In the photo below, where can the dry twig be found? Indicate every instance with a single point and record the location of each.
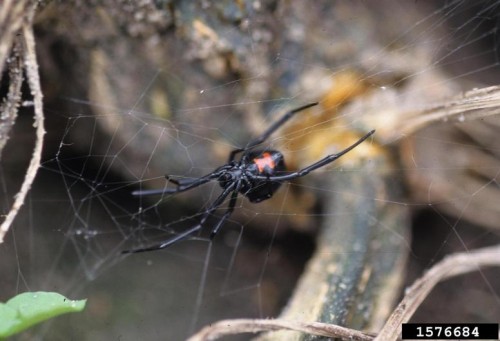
(31, 67)
(11, 21)
(450, 266)
(229, 327)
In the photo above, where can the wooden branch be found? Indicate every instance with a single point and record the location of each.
(451, 266)
(33, 78)
(231, 327)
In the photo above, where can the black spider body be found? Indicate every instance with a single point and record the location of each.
(257, 175)
(263, 163)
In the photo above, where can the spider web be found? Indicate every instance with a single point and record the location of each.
(81, 215)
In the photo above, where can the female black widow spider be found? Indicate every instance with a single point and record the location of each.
(257, 175)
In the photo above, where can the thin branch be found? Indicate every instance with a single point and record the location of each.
(450, 266)
(12, 15)
(10, 105)
(472, 105)
(31, 67)
(238, 326)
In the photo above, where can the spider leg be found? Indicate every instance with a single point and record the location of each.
(180, 181)
(328, 159)
(264, 136)
(220, 199)
(181, 185)
(227, 214)
(166, 243)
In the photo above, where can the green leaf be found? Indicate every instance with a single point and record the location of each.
(30, 308)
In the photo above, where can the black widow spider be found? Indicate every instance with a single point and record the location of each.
(257, 175)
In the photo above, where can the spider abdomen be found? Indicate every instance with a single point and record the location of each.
(262, 163)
